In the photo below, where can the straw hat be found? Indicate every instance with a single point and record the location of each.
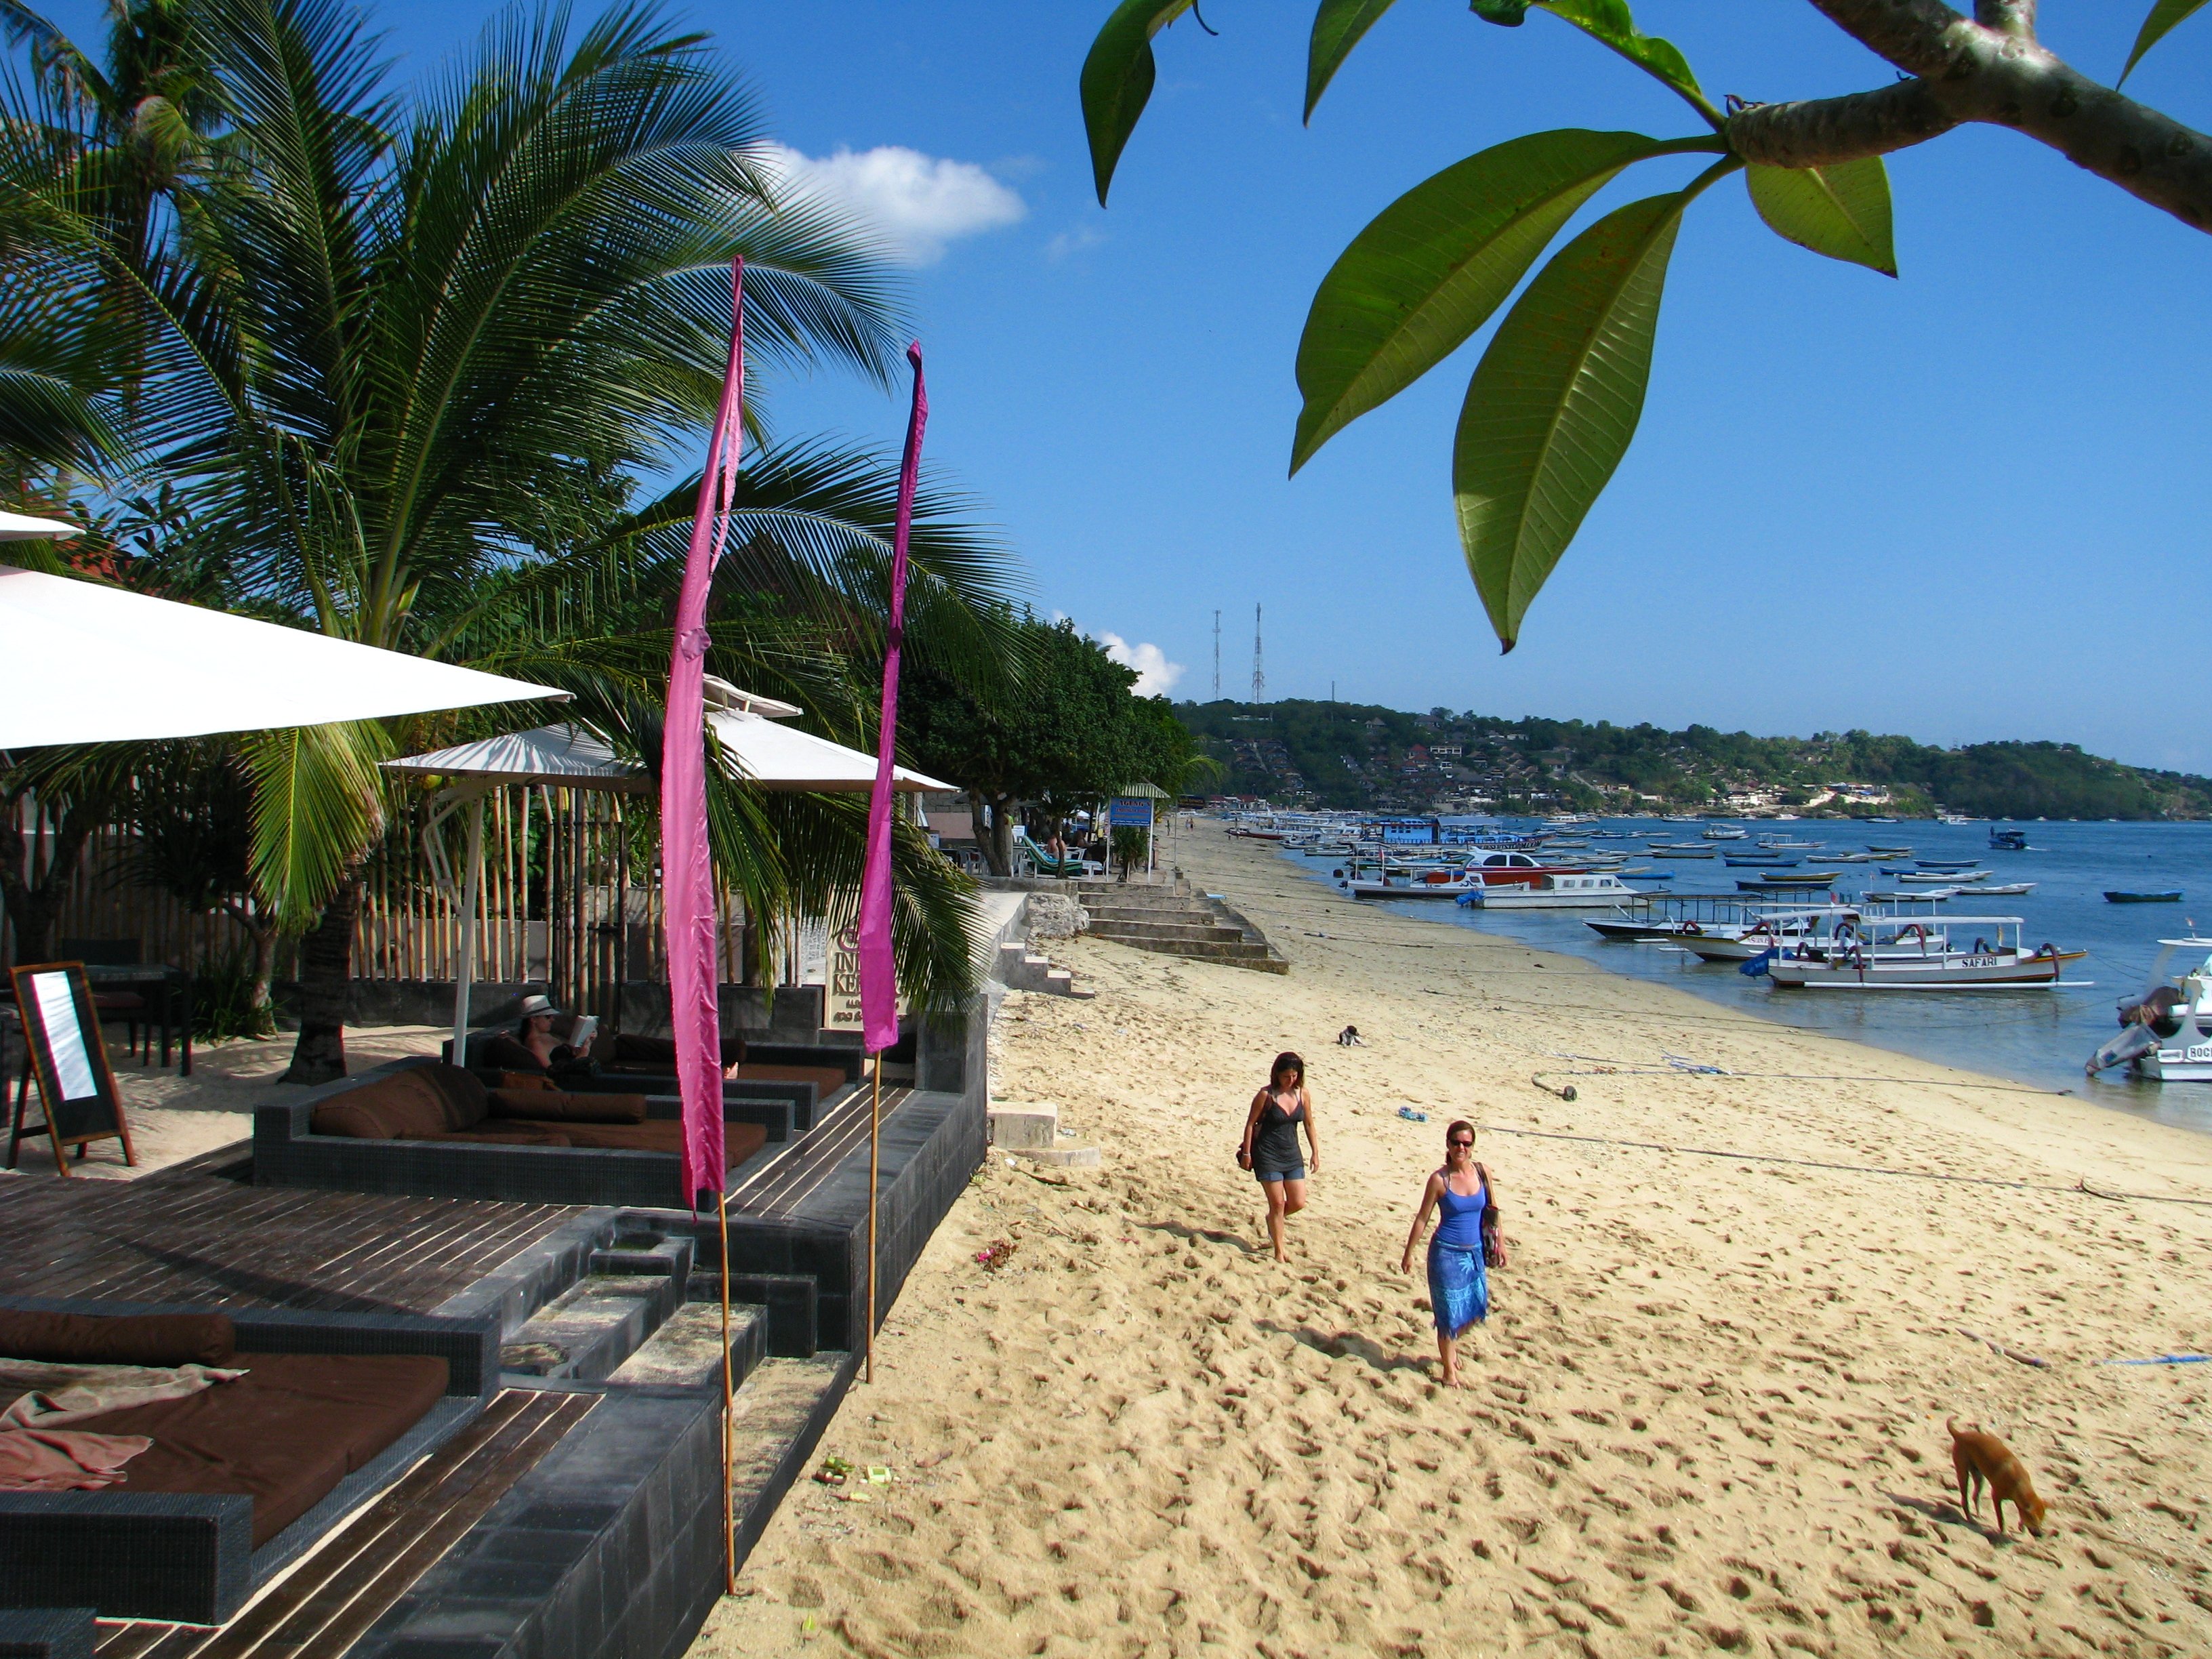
(534, 1005)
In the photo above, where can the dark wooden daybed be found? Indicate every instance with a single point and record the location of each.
(426, 1128)
(241, 1477)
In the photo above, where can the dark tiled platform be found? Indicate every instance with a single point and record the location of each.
(196, 1233)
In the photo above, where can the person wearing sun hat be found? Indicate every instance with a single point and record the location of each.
(533, 1047)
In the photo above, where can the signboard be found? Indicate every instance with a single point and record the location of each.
(1407, 832)
(841, 1002)
(77, 1088)
(1129, 811)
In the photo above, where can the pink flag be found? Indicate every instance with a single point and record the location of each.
(687, 866)
(879, 976)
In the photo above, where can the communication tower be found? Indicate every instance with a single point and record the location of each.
(1259, 673)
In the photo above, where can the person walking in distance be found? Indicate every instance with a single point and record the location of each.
(1270, 1149)
(1465, 1243)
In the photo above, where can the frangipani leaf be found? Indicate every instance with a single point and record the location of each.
(2165, 17)
(1555, 400)
(1117, 80)
(1841, 211)
(1337, 27)
(1433, 266)
(1610, 22)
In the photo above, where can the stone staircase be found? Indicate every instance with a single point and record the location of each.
(1179, 922)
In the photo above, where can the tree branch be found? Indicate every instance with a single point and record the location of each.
(1990, 70)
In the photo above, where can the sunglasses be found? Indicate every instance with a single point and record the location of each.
(1459, 1143)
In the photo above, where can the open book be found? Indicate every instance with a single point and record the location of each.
(581, 1030)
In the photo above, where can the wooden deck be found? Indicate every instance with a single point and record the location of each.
(777, 1181)
(198, 1233)
(331, 1597)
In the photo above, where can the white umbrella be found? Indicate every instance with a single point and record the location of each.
(761, 751)
(15, 527)
(83, 663)
(770, 755)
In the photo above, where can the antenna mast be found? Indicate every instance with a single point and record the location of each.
(1217, 656)
(1258, 674)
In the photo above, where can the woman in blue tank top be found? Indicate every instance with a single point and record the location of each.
(1459, 1287)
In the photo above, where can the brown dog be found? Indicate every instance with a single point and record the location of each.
(1980, 1458)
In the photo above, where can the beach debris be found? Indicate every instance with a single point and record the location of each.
(1997, 1348)
(995, 1255)
(878, 1475)
(1563, 1091)
(2164, 1359)
(834, 1472)
(1698, 1066)
(1349, 1037)
(1413, 1116)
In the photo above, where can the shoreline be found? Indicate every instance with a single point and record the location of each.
(1707, 1410)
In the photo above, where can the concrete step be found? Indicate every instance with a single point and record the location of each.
(1239, 954)
(1058, 1158)
(588, 1331)
(1196, 932)
(1021, 968)
(687, 1350)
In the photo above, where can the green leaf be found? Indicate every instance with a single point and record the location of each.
(1508, 14)
(1610, 22)
(1337, 27)
(317, 805)
(1436, 263)
(2163, 18)
(1117, 80)
(1555, 400)
(1842, 211)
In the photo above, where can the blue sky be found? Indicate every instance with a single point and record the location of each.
(1968, 504)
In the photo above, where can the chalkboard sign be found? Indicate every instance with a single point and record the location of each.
(69, 1058)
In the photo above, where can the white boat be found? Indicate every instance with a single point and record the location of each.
(1725, 832)
(1901, 953)
(1597, 890)
(1681, 852)
(1437, 883)
(2166, 1034)
(1942, 878)
(2004, 889)
(1741, 941)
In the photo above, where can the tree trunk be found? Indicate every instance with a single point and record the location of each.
(996, 840)
(34, 905)
(326, 971)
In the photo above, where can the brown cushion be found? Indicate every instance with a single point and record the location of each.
(826, 1079)
(524, 1080)
(283, 1434)
(118, 1339)
(461, 1091)
(637, 1052)
(353, 1115)
(512, 1134)
(555, 1106)
(739, 1141)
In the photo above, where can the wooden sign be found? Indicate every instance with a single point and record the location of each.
(69, 1058)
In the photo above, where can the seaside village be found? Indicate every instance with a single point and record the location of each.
(621, 1043)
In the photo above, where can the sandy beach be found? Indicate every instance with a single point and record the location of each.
(1706, 1412)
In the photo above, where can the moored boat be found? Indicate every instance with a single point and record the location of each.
(2172, 897)
(1918, 954)
(1588, 890)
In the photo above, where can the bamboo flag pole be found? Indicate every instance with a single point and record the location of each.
(729, 1406)
(875, 1123)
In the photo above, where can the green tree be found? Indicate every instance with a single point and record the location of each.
(410, 357)
(1555, 400)
(1067, 734)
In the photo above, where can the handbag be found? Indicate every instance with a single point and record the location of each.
(1494, 1247)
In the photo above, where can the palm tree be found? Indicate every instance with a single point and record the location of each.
(412, 358)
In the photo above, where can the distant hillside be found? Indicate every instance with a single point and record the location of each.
(1351, 755)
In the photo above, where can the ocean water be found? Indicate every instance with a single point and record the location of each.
(2038, 1036)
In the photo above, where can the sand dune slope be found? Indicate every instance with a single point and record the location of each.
(1707, 1410)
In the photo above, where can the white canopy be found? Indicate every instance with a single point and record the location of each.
(765, 753)
(15, 527)
(773, 756)
(566, 754)
(82, 663)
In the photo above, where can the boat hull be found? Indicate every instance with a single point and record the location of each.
(1936, 974)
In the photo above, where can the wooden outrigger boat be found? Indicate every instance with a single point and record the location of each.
(1883, 953)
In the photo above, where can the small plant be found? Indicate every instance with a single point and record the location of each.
(1132, 843)
(223, 1000)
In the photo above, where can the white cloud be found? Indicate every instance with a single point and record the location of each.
(1156, 675)
(1081, 240)
(915, 204)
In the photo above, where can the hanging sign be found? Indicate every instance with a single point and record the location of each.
(841, 1003)
(1129, 811)
(69, 1058)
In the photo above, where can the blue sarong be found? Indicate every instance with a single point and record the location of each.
(1459, 1289)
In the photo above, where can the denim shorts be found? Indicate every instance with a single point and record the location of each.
(1295, 1172)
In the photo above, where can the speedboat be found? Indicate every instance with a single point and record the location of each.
(1594, 889)
(2166, 1033)
(1881, 953)
(2009, 841)
(1434, 884)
